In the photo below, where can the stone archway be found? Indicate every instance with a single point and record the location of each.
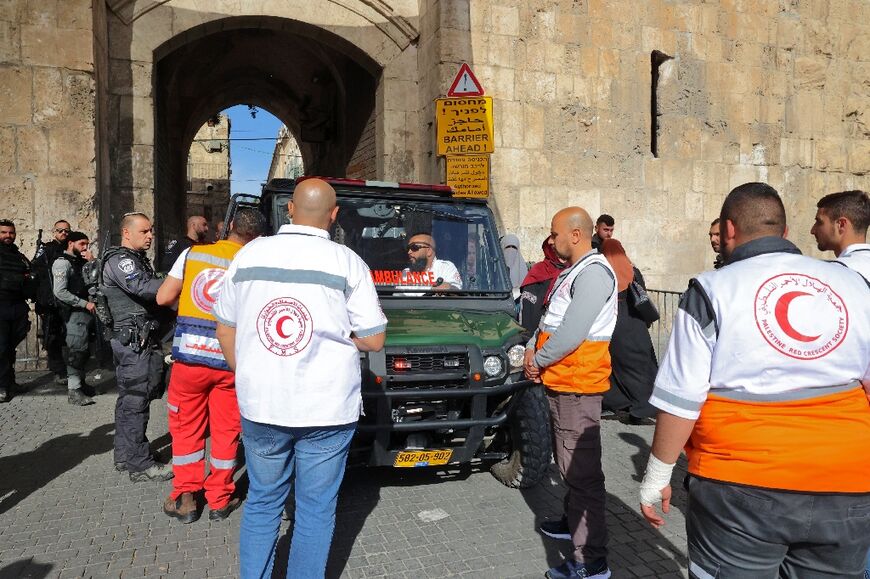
(331, 70)
(322, 88)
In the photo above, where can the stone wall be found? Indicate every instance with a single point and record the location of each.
(768, 90)
(47, 141)
(208, 171)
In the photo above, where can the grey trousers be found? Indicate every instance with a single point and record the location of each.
(78, 330)
(577, 450)
(749, 533)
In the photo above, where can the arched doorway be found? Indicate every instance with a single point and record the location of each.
(319, 85)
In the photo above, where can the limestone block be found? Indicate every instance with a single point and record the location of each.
(71, 149)
(509, 123)
(501, 50)
(810, 72)
(132, 167)
(512, 165)
(535, 86)
(39, 13)
(859, 48)
(652, 173)
(539, 23)
(61, 47)
(564, 87)
(10, 42)
(64, 197)
(15, 95)
(505, 20)
(497, 81)
(76, 14)
(455, 15)
(588, 62)
(677, 175)
(533, 129)
(804, 114)
(17, 194)
(570, 28)
(532, 211)
(789, 32)
(602, 36)
(32, 150)
(7, 151)
(48, 95)
(859, 158)
(741, 174)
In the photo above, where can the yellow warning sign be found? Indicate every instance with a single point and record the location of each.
(468, 175)
(464, 125)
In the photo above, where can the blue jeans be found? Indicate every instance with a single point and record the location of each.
(318, 456)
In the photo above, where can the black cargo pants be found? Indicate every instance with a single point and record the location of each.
(53, 336)
(139, 376)
(14, 325)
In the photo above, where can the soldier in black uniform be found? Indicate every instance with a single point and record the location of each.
(16, 286)
(76, 309)
(51, 321)
(197, 233)
(130, 286)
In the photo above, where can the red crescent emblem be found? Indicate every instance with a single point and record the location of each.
(781, 313)
(206, 290)
(279, 328)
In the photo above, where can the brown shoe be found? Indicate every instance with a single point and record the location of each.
(183, 508)
(221, 514)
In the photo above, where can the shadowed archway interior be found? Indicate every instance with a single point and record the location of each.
(320, 86)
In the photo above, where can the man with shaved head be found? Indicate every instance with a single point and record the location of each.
(130, 287)
(569, 354)
(421, 255)
(197, 233)
(762, 385)
(294, 312)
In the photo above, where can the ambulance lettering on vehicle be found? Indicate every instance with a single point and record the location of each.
(395, 277)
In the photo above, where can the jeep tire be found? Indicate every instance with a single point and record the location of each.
(530, 447)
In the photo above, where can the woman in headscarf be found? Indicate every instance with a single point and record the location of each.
(510, 245)
(536, 286)
(631, 351)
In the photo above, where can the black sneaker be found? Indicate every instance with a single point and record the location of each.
(556, 529)
(572, 569)
(87, 389)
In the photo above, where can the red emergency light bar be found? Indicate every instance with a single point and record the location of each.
(386, 184)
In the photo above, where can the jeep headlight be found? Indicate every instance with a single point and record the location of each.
(492, 366)
(516, 355)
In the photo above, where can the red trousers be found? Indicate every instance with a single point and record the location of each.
(202, 400)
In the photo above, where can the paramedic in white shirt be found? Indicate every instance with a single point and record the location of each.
(421, 255)
(841, 227)
(294, 312)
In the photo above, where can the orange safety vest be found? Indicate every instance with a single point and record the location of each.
(786, 444)
(195, 341)
(586, 370)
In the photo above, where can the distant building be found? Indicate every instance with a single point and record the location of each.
(287, 157)
(208, 170)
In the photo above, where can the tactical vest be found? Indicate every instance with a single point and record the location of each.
(15, 280)
(75, 283)
(42, 262)
(123, 306)
(587, 369)
(195, 341)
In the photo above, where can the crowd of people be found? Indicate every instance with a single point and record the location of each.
(765, 382)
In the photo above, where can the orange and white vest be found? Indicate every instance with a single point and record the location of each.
(195, 341)
(768, 354)
(587, 369)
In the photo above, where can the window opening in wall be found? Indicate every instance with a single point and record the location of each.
(657, 58)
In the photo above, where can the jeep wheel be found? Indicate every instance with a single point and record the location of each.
(529, 443)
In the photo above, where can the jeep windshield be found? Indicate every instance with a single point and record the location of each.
(421, 248)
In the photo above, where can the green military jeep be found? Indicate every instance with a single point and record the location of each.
(448, 387)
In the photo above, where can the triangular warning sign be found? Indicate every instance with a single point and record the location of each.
(465, 83)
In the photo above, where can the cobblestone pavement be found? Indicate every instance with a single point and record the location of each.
(65, 511)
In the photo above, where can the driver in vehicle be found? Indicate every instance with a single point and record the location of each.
(421, 257)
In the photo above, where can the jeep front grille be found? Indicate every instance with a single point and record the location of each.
(404, 364)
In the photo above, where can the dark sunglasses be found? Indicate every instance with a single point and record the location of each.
(57, 230)
(417, 246)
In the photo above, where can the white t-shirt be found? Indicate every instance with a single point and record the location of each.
(857, 257)
(177, 270)
(294, 299)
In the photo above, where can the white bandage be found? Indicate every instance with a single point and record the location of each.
(657, 476)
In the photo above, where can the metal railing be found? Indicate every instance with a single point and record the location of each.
(29, 355)
(666, 302)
